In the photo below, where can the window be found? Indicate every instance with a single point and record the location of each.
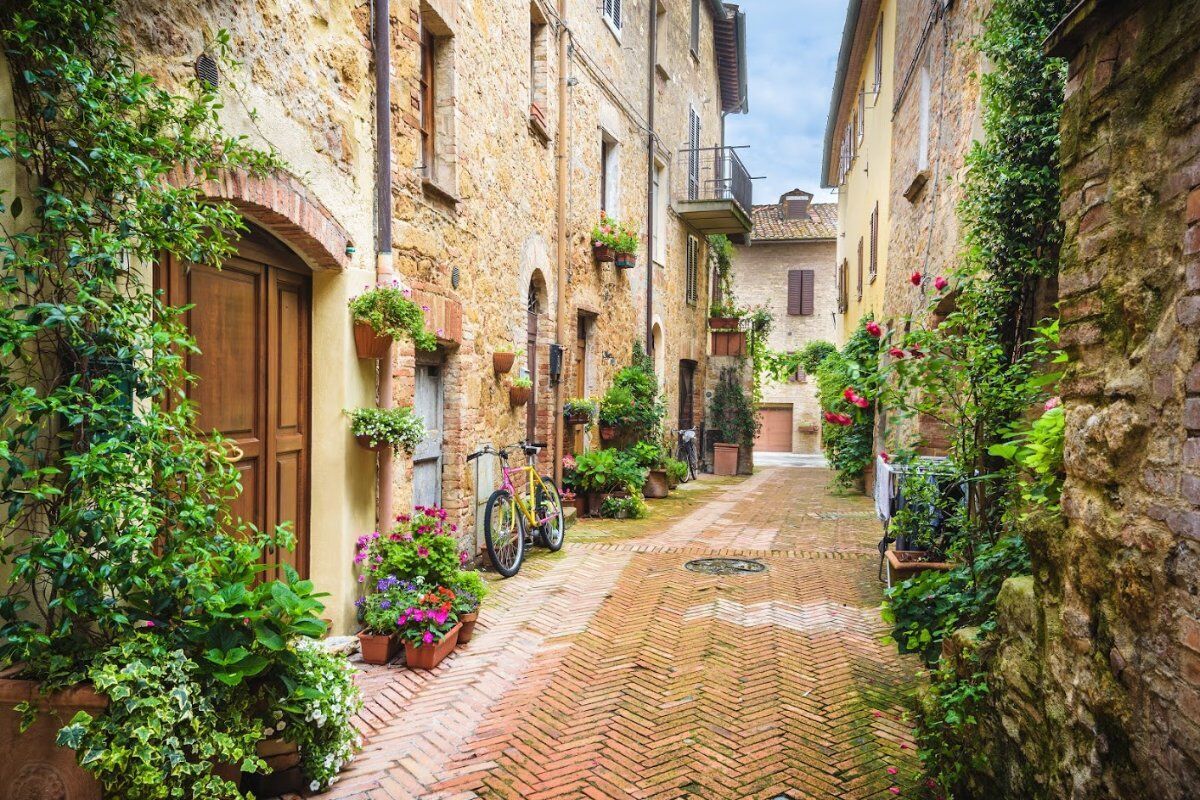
(436, 121)
(879, 57)
(610, 175)
(538, 62)
(660, 39)
(862, 116)
(843, 286)
(692, 280)
(923, 122)
(428, 103)
(800, 292)
(860, 268)
(693, 154)
(612, 13)
(695, 41)
(873, 268)
(660, 212)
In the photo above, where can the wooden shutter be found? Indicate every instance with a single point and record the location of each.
(860, 267)
(691, 288)
(800, 292)
(693, 154)
(695, 32)
(874, 266)
(879, 56)
(843, 286)
(616, 12)
(806, 292)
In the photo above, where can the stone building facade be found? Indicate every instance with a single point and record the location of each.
(1098, 677)
(790, 269)
(475, 139)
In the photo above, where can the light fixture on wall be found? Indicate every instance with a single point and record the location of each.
(556, 362)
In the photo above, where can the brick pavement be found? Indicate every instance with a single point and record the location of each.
(609, 671)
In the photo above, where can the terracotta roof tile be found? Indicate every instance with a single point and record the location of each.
(769, 223)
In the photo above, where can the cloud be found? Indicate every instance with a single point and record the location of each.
(792, 48)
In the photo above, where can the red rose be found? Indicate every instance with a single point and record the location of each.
(896, 352)
(940, 283)
(874, 329)
(915, 278)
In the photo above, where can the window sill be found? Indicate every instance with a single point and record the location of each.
(537, 123)
(662, 72)
(917, 186)
(437, 192)
(660, 263)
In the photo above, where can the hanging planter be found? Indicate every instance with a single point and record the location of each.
(381, 429)
(579, 411)
(520, 392)
(723, 323)
(729, 343)
(503, 360)
(384, 314)
(609, 432)
(614, 241)
(368, 343)
(603, 253)
(626, 260)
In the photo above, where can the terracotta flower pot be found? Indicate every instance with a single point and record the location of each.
(365, 442)
(904, 564)
(656, 486)
(428, 656)
(33, 765)
(502, 363)
(468, 626)
(581, 504)
(283, 764)
(581, 418)
(596, 499)
(368, 343)
(725, 459)
(626, 260)
(723, 323)
(603, 253)
(378, 648)
(729, 343)
(608, 432)
(519, 395)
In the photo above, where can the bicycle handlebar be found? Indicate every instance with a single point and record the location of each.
(503, 451)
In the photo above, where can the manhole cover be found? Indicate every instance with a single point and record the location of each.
(724, 566)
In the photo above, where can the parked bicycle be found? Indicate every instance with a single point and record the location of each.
(686, 452)
(513, 516)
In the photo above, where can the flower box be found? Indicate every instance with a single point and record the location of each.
(468, 626)
(578, 418)
(378, 648)
(428, 656)
(365, 442)
(603, 253)
(33, 764)
(502, 362)
(724, 323)
(725, 459)
(656, 486)
(626, 260)
(519, 395)
(284, 774)
(729, 343)
(904, 564)
(368, 343)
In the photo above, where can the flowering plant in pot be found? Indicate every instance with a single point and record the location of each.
(601, 473)
(520, 391)
(504, 357)
(725, 316)
(384, 314)
(614, 241)
(429, 629)
(379, 640)
(469, 591)
(382, 428)
(580, 411)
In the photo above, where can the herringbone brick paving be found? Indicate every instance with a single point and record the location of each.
(609, 671)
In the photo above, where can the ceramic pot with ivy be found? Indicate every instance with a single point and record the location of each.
(381, 429)
(519, 392)
(384, 314)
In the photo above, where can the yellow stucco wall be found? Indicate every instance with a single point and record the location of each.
(869, 178)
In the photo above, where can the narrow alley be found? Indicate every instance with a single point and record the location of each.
(611, 670)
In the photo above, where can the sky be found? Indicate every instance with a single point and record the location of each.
(792, 48)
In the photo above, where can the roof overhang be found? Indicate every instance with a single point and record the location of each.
(860, 19)
(1080, 24)
(729, 35)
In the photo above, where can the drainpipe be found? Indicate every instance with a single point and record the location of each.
(383, 213)
(650, 150)
(560, 313)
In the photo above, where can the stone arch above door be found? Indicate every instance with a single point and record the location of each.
(284, 207)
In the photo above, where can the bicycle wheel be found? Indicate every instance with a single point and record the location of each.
(554, 531)
(504, 533)
(687, 454)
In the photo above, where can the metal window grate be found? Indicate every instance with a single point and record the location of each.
(207, 71)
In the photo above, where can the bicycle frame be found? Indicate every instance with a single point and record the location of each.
(534, 482)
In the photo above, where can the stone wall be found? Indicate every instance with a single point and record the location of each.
(1098, 676)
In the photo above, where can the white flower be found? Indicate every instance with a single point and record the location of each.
(268, 731)
(315, 786)
(281, 725)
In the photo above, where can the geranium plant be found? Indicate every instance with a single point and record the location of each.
(429, 619)
(579, 407)
(399, 428)
(609, 232)
(391, 311)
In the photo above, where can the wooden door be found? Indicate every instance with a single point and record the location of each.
(687, 395)
(775, 434)
(581, 347)
(531, 350)
(251, 324)
(427, 457)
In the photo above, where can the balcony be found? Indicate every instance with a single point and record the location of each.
(716, 195)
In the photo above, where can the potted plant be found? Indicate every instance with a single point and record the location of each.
(579, 411)
(520, 391)
(676, 472)
(615, 241)
(725, 316)
(504, 358)
(602, 473)
(732, 416)
(927, 504)
(383, 428)
(652, 457)
(616, 408)
(631, 507)
(384, 314)
(429, 629)
(469, 590)
(379, 640)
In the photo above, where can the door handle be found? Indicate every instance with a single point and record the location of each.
(233, 453)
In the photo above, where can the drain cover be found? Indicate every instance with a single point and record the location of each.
(724, 566)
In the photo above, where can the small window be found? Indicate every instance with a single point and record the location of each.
(923, 121)
(609, 176)
(612, 12)
(692, 280)
(874, 261)
(860, 268)
(695, 39)
(879, 57)
(538, 62)
(660, 212)
(800, 292)
(428, 102)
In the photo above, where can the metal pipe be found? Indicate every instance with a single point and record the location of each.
(651, 148)
(561, 153)
(383, 218)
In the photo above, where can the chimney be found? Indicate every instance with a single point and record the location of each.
(794, 204)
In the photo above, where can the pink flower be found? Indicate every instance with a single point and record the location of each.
(896, 352)
(874, 329)
(463, 558)
(903, 746)
(427, 638)
(423, 551)
(1053, 402)
(887, 460)
(940, 283)
(403, 618)
(419, 616)
(915, 278)
(892, 770)
(878, 714)
(894, 789)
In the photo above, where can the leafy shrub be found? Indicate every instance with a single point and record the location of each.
(847, 434)
(648, 455)
(632, 507)
(633, 401)
(731, 413)
(608, 471)
(391, 311)
(400, 427)
(677, 470)
(813, 353)
(1036, 449)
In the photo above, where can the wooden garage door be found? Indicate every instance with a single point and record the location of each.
(775, 435)
(251, 324)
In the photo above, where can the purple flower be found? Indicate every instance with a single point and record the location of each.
(385, 604)
(427, 638)
(463, 558)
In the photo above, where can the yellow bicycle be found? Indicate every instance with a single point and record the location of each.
(514, 515)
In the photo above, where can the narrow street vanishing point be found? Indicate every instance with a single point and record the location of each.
(611, 670)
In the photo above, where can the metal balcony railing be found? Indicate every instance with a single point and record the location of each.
(714, 173)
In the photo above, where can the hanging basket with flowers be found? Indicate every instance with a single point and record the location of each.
(613, 240)
(384, 314)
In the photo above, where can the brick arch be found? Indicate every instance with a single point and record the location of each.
(286, 208)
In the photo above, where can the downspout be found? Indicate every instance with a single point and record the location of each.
(651, 61)
(560, 300)
(383, 213)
